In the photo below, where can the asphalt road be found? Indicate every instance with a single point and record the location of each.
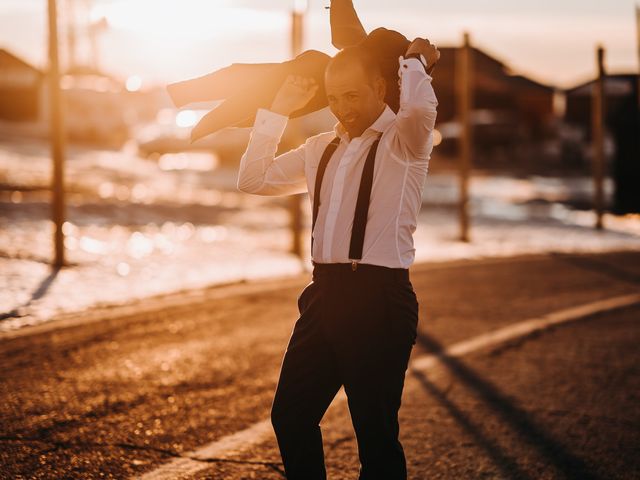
(116, 393)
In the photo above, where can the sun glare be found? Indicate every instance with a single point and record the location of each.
(134, 82)
(187, 118)
(191, 19)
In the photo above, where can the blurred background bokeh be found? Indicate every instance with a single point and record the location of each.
(147, 212)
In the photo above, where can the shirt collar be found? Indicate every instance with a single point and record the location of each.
(380, 125)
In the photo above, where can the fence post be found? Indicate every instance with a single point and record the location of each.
(56, 133)
(465, 101)
(295, 201)
(598, 138)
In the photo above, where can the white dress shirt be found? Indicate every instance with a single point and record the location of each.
(398, 178)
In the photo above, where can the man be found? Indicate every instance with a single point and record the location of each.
(358, 316)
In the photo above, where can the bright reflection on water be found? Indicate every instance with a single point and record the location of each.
(92, 245)
(202, 162)
(139, 245)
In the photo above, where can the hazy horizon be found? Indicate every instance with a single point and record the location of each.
(162, 40)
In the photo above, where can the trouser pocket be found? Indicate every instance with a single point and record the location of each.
(303, 298)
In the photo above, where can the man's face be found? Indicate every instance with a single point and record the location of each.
(355, 100)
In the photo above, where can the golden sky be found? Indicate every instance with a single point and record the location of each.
(165, 40)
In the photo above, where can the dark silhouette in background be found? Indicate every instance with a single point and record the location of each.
(624, 123)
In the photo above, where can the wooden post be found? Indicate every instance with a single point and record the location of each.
(71, 34)
(465, 101)
(295, 201)
(56, 133)
(598, 138)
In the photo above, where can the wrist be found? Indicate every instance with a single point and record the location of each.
(280, 110)
(418, 56)
(283, 108)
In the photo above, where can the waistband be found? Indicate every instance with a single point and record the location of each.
(360, 269)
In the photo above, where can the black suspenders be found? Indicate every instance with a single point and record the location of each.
(362, 204)
(326, 156)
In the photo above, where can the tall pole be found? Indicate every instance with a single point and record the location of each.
(464, 89)
(295, 202)
(56, 132)
(92, 33)
(598, 137)
(70, 25)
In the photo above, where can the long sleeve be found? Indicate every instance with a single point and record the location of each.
(417, 115)
(261, 172)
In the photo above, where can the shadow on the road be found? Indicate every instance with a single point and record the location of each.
(37, 294)
(507, 465)
(519, 420)
(601, 266)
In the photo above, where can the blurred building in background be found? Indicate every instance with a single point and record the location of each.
(100, 109)
(20, 89)
(622, 127)
(95, 109)
(512, 115)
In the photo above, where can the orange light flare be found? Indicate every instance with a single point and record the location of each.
(166, 40)
(187, 19)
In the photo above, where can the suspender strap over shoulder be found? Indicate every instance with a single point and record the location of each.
(326, 156)
(362, 205)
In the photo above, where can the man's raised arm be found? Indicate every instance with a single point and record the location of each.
(417, 115)
(261, 172)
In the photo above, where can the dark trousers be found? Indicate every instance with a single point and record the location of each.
(357, 329)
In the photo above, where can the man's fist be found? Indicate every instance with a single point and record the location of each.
(294, 94)
(427, 49)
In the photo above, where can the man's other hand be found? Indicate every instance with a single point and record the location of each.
(294, 94)
(428, 50)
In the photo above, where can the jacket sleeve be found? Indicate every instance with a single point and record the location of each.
(261, 172)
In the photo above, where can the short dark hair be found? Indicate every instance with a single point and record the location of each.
(356, 54)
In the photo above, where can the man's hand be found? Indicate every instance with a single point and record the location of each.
(425, 47)
(294, 94)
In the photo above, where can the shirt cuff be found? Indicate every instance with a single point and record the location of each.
(270, 123)
(412, 65)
